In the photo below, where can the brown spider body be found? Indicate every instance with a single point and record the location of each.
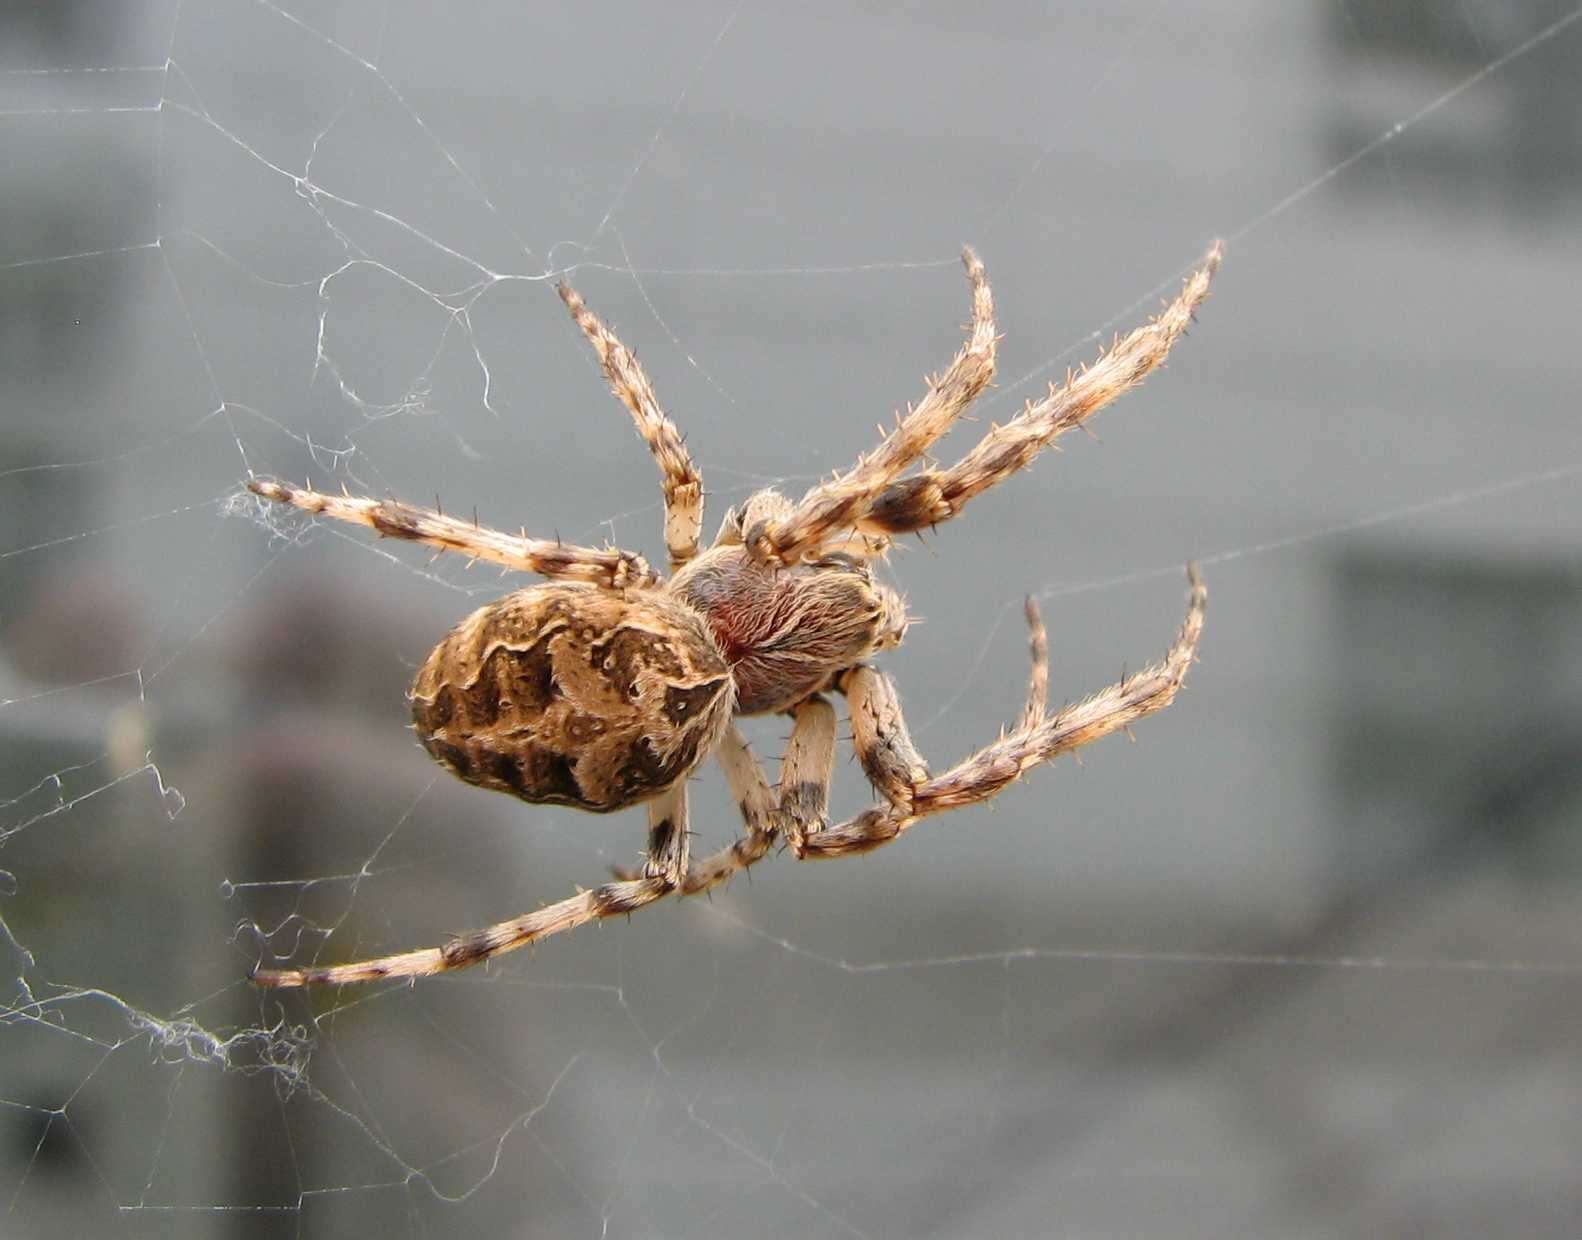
(610, 685)
(572, 695)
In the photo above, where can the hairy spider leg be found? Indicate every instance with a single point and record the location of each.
(680, 481)
(610, 567)
(834, 506)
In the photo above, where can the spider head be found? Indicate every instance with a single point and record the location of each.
(786, 631)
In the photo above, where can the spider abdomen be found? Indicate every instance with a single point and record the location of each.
(572, 695)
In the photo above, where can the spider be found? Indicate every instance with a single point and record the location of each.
(609, 686)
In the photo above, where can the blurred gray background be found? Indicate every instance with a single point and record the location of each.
(1306, 960)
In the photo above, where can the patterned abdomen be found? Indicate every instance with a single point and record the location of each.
(573, 695)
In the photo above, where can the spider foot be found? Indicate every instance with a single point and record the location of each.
(804, 806)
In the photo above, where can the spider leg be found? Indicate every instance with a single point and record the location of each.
(667, 816)
(833, 507)
(668, 837)
(605, 566)
(891, 762)
(680, 482)
(933, 496)
(796, 810)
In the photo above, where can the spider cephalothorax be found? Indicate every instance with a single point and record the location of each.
(610, 685)
(786, 631)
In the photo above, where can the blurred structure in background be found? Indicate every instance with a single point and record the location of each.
(1516, 149)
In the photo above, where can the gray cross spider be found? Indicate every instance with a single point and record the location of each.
(610, 685)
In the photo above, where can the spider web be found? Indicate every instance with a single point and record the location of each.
(1303, 961)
